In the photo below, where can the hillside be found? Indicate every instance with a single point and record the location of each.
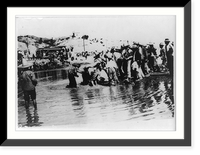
(31, 43)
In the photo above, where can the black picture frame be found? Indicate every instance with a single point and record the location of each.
(126, 142)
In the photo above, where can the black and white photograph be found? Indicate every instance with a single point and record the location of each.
(96, 72)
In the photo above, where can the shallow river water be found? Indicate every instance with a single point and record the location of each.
(146, 105)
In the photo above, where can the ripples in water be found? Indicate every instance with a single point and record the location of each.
(151, 98)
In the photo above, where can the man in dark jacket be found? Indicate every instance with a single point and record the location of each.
(152, 56)
(72, 73)
(28, 84)
(169, 53)
(163, 56)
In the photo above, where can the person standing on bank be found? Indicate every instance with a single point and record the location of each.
(28, 84)
(169, 54)
(163, 56)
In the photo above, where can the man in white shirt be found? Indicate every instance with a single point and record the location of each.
(111, 67)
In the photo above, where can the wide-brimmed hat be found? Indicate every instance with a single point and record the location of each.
(167, 40)
(161, 44)
(25, 66)
(150, 43)
(76, 64)
(134, 46)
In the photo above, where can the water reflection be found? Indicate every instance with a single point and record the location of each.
(76, 97)
(90, 96)
(127, 100)
(77, 102)
(150, 98)
(32, 119)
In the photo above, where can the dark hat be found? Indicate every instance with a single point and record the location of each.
(76, 64)
(67, 61)
(167, 40)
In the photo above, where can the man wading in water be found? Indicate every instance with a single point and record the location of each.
(28, 83)
(72, 73)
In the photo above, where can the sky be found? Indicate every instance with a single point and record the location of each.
(143, 29)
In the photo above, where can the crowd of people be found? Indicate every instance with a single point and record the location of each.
(127, 64)
(44, 59)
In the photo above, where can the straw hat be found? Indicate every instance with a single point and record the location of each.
(25, 67)
(161, 44)
(150, 43)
